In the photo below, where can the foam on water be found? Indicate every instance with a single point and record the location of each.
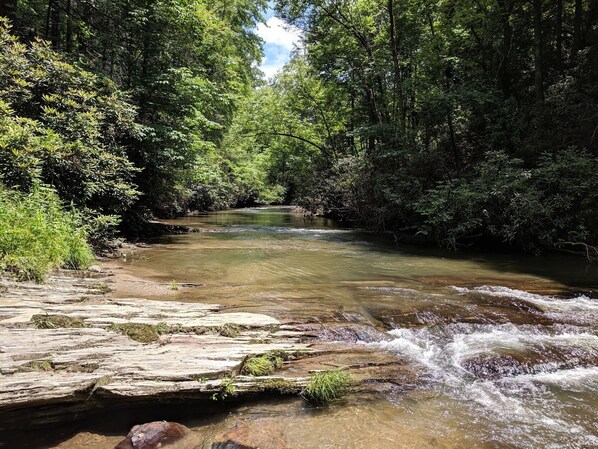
(581, 303)
(528, 408)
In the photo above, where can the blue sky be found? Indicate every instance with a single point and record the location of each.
(279, 39)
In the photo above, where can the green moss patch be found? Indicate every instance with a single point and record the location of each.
(37, 365)
(229, 330)
(143, 333)
(279, 386)
(56, 321)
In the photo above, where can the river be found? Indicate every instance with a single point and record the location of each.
(505, 346)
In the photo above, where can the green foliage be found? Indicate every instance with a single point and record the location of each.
(225, 390)
(262, 365)
(64, 126)
(38, 235)
(326, 386)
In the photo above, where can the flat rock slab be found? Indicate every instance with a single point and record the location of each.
(47, 373)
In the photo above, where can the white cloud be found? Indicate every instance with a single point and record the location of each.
(279, 39)
(277, 32)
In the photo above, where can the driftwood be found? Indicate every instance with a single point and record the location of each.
(588, 251)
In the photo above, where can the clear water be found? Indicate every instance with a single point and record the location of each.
(455, 317)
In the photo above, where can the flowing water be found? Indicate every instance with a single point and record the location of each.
(505, 347)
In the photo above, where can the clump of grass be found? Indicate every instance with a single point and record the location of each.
(229, 330)
(326, 386)
(37, 235)
(262, 365)
(174, 285)
(56, 321)
(225, 390)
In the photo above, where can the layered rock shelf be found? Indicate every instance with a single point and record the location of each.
(67, 347)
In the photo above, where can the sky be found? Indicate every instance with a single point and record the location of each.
(279, 39)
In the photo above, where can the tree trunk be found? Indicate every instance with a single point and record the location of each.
(577, 21)
(559, 34)
(394, 44)
(54, 15)
(69, 26)
(8, 9)
(538, 50)
(504, 70)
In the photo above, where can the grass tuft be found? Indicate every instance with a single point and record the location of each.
(262, 365)
(327, 386)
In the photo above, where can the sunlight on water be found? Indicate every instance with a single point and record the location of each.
(506, 345)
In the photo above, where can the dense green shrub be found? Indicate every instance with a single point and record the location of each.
(65, 127)
(38, 235)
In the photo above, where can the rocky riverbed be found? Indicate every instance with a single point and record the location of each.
(70, 348)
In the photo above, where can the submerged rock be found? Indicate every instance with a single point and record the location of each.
(258, 434)
(159, 434)
(348, 333)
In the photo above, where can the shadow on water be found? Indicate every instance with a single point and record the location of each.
(571, 271)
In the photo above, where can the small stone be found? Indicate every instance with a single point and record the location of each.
(158, 434)
(95, 269)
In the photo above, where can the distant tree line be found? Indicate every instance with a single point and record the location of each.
(455, 121)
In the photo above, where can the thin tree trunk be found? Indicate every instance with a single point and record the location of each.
(538, 43)
(504, 69)
(48, 14)
(69, 27)
(559, 34)
(577, 21)
(55, 24)
(397, 70)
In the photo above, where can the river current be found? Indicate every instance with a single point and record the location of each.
(505, 346)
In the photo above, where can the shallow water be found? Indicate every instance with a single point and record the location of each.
(507, 345)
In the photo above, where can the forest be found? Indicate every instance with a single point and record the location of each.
(451, 122)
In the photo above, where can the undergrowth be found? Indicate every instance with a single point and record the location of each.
(37, 234)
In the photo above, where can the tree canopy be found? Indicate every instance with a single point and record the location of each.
(451, 121)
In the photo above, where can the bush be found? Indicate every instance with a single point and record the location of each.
(38, 235)
(326, 386)
(66, 127)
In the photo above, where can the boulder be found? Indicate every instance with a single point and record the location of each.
(258, 434)
(159, 434)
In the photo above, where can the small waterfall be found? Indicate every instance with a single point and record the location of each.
(536, 384)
